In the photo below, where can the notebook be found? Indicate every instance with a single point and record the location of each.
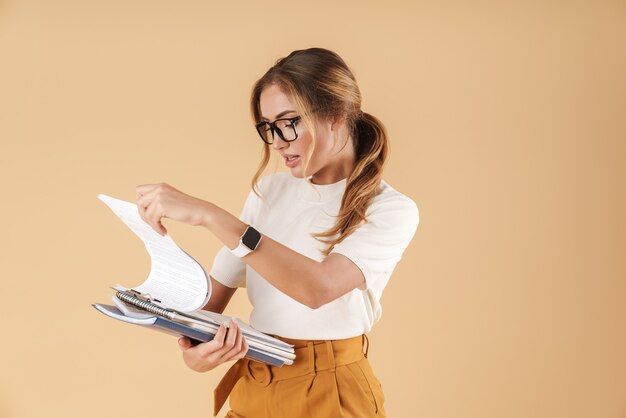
(170, 300)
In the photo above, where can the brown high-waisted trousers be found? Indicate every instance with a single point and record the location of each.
(328, 379)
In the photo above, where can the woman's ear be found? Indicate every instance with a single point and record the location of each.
(324, 125)
(337, 123)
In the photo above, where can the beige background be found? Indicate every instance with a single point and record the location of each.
(507, 128)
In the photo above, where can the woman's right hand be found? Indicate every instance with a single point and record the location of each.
(228, 344)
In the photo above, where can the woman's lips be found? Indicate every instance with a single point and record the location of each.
(292, 161)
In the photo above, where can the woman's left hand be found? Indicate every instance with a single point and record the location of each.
(156, 201)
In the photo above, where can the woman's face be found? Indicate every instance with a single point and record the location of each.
(330, 161)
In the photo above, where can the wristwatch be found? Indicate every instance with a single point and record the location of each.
(248, 242)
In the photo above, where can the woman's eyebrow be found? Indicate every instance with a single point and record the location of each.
(280, 114)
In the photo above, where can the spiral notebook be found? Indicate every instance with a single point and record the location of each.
(201, 326)
(177, 287)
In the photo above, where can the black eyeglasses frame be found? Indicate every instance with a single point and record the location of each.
(275, 128)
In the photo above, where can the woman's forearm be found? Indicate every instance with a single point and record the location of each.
(300, 277)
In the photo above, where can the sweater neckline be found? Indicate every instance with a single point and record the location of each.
(318, 193)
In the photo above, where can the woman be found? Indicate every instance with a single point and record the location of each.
(314, 248)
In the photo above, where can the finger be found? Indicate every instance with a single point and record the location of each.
(244, 349)
(239, 340)
(237, 351)
(220, 334)
(206, 349)
(147, 198)
(144, 201)
(229, 341)
(153, 215)
(145, 188)
(235, 348)
(184, 343)
(151, 210)
(234, 333)
(149, 195)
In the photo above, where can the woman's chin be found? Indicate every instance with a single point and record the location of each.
(296, 172)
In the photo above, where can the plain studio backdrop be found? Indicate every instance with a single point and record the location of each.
(507, 123)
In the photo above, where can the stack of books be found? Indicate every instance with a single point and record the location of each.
(170, 300)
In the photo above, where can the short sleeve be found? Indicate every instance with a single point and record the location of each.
(229, 269)
(377, 245)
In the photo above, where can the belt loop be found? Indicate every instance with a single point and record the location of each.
(331, 355)
(311, 351)
(365, 339)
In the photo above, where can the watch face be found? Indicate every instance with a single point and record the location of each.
(251, 238)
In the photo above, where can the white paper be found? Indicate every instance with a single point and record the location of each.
(176, 278)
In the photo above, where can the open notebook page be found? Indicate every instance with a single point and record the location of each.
(176, 278)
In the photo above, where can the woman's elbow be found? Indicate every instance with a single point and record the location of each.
(319, 297)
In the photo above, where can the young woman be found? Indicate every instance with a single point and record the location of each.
(314, 247)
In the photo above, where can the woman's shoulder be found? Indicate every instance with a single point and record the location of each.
(388, 193)
(393, 202)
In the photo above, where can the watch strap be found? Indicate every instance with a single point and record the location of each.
(241, 250)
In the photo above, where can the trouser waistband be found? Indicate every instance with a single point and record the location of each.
(312, 356)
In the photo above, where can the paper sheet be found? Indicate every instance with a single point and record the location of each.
(175, 278)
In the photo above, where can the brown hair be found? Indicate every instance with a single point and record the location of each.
(320, 83)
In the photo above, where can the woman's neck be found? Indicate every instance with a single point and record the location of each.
(339, 168)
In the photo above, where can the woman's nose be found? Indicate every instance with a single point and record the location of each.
(278, 143)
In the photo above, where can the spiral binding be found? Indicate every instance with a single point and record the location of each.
(145, 305)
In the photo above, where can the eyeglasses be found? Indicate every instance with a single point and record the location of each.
(286, 129)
